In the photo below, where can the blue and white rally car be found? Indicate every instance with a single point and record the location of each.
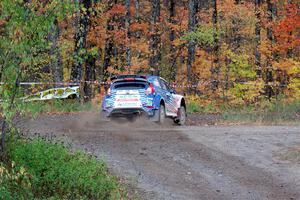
(131, 95)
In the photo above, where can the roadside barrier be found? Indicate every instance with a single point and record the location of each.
(59, 83)
(72, 89)
(175, 85)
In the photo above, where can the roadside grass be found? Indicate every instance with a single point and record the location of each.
(196, 107)
(57, 106)
(292, 155)
(37, 169)
(266, 112)
(273, 112)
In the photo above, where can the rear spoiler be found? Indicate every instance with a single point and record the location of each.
(128, 78)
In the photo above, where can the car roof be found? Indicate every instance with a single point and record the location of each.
(152, 77)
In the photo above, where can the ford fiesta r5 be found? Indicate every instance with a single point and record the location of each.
(131, 95)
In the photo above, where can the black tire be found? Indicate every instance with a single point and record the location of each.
(160, 114)
(181, 118)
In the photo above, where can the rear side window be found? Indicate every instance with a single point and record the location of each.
(156, 83)
(130, 85)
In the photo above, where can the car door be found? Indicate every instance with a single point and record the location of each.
(169, 100)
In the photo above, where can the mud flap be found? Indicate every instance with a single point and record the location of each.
(104, 117)
(155, 117)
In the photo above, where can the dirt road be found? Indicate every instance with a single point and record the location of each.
(191, 162)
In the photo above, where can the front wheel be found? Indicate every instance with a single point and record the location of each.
(181, 118)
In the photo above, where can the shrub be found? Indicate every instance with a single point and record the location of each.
(15, 182)
(57, 173)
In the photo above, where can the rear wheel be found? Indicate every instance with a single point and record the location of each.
(103, 116)
(160, 114)
(181, 118)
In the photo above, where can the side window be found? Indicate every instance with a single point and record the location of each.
(167, 86)
(163, 85)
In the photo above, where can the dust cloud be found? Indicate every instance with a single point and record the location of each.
(95, 121)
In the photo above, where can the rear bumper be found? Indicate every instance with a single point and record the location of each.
(127, 112)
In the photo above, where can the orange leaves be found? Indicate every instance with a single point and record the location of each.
(2, 22)
(142, 26)
(117, 9)
(286, 29)
(285, 64)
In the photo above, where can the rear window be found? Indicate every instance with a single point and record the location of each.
(130, 85)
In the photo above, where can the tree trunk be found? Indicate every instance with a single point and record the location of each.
(155, 37)
(56, 63)
(215, 70)
(193, 10)
(108, 52)
(269, 69)
(80, 40)
(258, 38)
(109, 45)
(173, 68)
(290, 51)
(235, 30)
(137, 10)
(128, 35)
(11, 105)
(89, 77)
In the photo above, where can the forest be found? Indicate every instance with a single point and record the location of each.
(234, 51)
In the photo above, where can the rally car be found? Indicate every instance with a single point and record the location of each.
(132, 95)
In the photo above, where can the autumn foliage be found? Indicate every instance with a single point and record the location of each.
(240, 51)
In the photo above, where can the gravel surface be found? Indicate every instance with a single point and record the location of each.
(190, 162)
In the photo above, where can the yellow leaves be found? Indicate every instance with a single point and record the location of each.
(12, 173)
(2, 170)
(266, 49)
(294, 69)
(294, 88)
(247, 92)
(291, 66)
(178, 42)
(139, 64)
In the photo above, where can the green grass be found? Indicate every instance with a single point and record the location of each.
(268, 112)
(56, 106)
(264, 111)
(196, 107)
(292, 155)
(41, 170)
